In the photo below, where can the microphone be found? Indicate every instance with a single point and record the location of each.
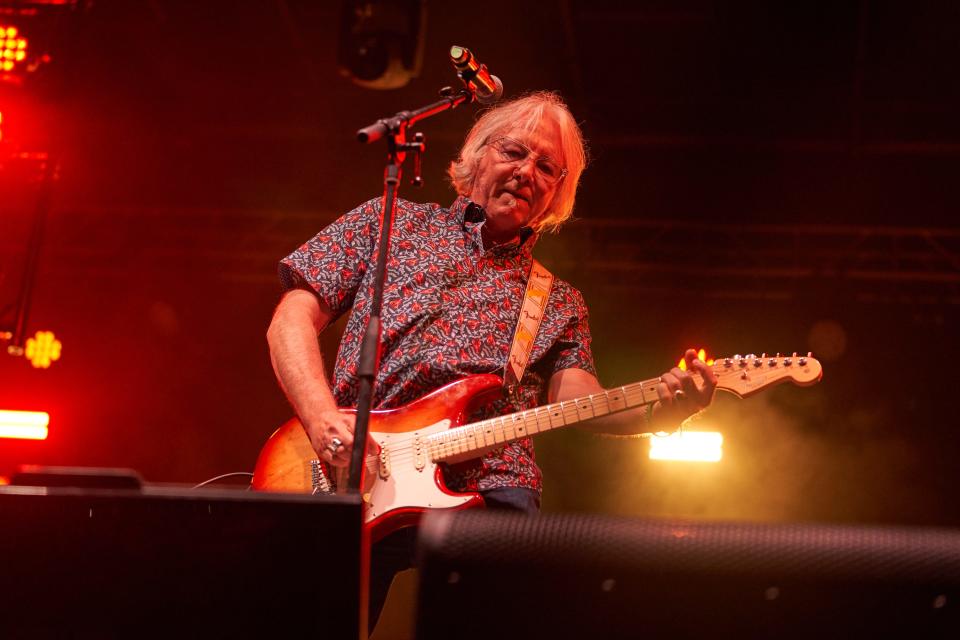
(486, 88)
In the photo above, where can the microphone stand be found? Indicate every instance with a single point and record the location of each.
(394, 129)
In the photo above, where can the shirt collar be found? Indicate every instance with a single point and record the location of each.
(473, 214)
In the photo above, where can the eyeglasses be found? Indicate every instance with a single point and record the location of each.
(516, 152)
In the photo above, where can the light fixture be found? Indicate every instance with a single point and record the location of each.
(26, 425)
(689, 446)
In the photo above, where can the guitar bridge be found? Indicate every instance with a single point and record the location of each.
(319, 480)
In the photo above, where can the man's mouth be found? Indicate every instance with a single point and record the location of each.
(517, 196)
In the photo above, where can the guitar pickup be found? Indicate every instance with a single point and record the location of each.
(419, 458)
(383, 469)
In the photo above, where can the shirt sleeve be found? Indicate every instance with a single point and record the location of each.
(333, 263)
(571, 350)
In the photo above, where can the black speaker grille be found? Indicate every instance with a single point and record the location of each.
(574, 576)
(900, 554)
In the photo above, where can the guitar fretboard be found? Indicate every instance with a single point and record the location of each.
(466, 440)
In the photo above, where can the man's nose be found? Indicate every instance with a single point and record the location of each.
(526, 168)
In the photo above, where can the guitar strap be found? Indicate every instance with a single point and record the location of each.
(539, 284)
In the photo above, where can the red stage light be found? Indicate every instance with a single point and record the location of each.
(28, 425)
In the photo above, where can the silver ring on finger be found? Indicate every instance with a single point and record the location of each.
(334, 446)
(679, 394)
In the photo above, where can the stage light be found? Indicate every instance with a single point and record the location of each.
(13, 50)
(702, 355)
(43, 349)
(26, 425)
(689, 446)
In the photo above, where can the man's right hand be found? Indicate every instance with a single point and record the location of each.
(331, 434)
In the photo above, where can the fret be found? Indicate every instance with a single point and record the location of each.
(584, 409)
(556, 416)
(520, 425)
(533, 422)
(601, 404)
(511, 426)
(471, 438)
(543, 419)
(489, 439)
(457, 445)
(616, 400)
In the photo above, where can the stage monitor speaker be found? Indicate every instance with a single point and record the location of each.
(578, 576)
(177, 563)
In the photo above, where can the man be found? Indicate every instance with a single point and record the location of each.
(456, 284)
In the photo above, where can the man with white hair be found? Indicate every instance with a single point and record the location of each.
(456, 285)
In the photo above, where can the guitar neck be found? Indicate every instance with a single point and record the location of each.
(741, 375)
(465, 441)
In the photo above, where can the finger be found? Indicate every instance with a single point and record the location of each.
(671, 379)
(685, 384)
(663, 393)
(694, 363)
(338, 430)
(327, 456)
(667, 388)
(706, 372)
(706, 392)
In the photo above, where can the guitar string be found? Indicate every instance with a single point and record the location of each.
(402, 448)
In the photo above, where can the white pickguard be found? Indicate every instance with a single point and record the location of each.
(407, 485)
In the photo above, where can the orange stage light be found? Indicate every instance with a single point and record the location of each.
(27, 425)
(702, 355)
(688, 446)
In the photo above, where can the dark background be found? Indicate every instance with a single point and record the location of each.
(765, 177)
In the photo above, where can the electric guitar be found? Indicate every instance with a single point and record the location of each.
(403, 479)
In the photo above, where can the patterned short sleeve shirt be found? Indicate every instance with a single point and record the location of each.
(450, 307)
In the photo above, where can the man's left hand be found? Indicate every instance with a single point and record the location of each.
(680, 396)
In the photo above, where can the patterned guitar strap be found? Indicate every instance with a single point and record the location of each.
(539, 284)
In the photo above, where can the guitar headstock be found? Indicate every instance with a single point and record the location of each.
(746, 375)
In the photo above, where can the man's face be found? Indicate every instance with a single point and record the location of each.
(514, 194)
